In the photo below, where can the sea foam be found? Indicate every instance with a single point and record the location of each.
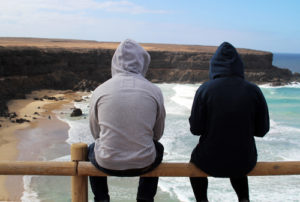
(184, 95)
(290, 85)
(29, 195)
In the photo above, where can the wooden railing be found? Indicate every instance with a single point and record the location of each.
(79, 169)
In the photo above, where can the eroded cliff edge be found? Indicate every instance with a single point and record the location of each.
(28, 64)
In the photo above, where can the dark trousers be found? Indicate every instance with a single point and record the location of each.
(147, 185)
(200, 184)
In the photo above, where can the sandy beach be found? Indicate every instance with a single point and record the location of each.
(25, 141)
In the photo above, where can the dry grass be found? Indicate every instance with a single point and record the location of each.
(84, 44)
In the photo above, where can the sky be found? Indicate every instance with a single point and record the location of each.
(269, 25)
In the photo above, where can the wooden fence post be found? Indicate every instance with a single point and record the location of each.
(79, 183)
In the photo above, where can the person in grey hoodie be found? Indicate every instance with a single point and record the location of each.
(227, 113)
(127, 117)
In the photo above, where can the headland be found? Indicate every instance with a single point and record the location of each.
(28, 64)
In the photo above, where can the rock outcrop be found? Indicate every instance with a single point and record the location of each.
(30, 64)
(76, 112)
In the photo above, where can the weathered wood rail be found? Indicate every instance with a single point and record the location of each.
(80, 169)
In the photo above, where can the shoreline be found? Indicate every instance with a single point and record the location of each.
(16, 139)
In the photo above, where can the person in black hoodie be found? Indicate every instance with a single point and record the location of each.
(227, 113)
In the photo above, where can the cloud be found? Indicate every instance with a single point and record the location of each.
(24, 6)
(67, 18)
(125, 7)
(81, 19)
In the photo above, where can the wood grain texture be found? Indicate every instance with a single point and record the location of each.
(163, 170)
(37, 168)
(79, 184)
(189, 170)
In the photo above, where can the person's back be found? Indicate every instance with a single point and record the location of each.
(127, 119)
(127, 106)
(235, 113)
(227, 113)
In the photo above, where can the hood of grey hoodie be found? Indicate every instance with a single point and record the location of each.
(130, 57)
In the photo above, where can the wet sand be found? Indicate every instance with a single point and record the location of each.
(26, 141)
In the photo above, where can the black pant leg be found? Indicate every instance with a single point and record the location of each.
(147, 189)
(240, 186)
(148, 185)
(98, 184)
(199, 185)
(99, 188)
(159, 153)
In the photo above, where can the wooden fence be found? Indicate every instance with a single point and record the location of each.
(80, 169)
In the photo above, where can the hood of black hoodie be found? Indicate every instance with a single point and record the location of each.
(226, 62)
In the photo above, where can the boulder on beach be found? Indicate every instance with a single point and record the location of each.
(21, 120)
(79, 100)
(76, 112)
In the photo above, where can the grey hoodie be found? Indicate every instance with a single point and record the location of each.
(127, 112)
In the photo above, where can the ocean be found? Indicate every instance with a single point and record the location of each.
(287, 60)
(282, 143)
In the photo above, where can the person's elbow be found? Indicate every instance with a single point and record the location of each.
(195, 131)
(262, 132)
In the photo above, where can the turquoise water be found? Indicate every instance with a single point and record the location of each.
(282, 143)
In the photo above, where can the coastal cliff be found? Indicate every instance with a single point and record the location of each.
(28, 64)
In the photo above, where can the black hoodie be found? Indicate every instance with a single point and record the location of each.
(227, 113)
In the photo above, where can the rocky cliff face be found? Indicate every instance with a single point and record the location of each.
(193, 67)
(32, 64)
